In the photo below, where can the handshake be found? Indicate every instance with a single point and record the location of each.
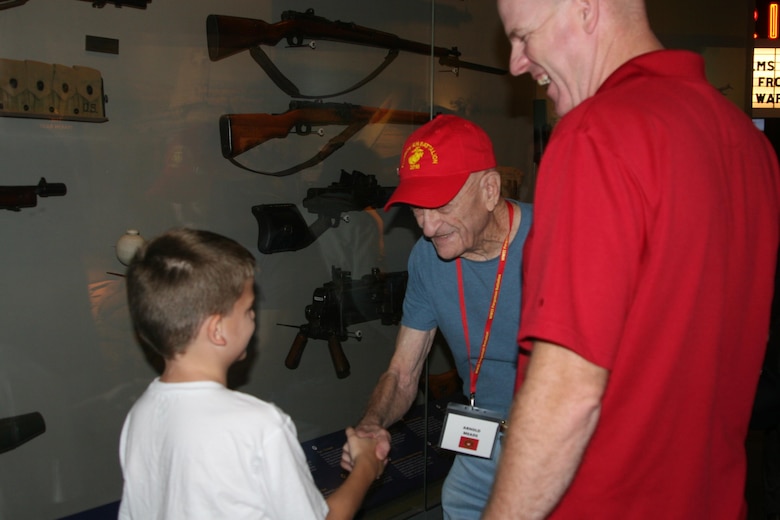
(366, 442)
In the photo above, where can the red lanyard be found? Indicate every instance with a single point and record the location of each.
(474, 370)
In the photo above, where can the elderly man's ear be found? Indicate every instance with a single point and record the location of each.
(491, 188)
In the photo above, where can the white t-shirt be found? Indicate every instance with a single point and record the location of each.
(201, 451)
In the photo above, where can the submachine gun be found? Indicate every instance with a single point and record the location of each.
(281, 227)
(343, 302)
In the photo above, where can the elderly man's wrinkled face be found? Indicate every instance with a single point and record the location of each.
(455, 229)
(544, 44)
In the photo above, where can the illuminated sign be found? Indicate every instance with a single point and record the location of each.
(765, 92)
(766, 79)
(767, 20)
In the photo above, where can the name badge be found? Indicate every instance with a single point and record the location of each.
(470, 430)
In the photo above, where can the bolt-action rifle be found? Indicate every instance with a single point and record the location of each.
(242, 132)
(17, 197)
(228, 35)
(343, 302)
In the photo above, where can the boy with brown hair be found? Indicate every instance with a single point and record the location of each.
(190, 447)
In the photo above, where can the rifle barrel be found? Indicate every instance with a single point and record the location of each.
(50, 189)
(16, 197)
(449, 61)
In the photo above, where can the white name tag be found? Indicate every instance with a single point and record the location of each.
(470, 430)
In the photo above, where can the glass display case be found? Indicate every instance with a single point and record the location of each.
(277, 123)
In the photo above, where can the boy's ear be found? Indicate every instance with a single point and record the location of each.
(213, 328)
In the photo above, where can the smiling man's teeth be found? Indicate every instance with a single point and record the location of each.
(543, 81)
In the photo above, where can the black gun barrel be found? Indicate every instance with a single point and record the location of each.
(50, 189)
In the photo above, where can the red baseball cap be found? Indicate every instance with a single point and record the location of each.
(438, 158)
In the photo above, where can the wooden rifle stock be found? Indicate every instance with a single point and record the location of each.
(228, 35)
(242, 132)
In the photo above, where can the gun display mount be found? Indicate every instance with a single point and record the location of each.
(343, 302)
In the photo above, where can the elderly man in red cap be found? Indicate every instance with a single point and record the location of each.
(464, 279)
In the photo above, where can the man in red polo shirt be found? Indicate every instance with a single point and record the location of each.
(647, 277)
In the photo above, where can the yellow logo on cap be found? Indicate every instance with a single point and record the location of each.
(416, 151)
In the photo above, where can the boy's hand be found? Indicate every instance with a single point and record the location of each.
(363, 448)
(376, 432)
